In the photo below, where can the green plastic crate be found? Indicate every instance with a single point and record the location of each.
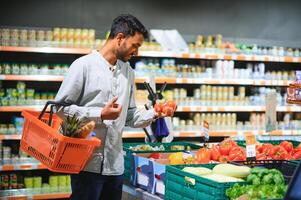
(177, 188)
(129, 159)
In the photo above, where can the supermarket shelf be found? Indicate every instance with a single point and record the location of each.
(20, 108)
(46, 50)
(19, 194)
(23, 166)
(37, 196)
(241, 57)
(32, 78)
(10, 137)
(160, 80)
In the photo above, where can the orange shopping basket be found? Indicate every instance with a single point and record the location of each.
(41, 139)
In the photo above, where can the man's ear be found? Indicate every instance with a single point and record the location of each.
(119, 38)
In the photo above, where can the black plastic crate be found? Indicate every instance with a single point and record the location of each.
(287, 168)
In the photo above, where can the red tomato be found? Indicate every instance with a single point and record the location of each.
(240, 157)
(226, 146)
(168, 111)
(299, 146)
(203, 155)
(237, 154)
(215, 154)
(236, 149)
(259, 148)
(288, 156)
(223, 159)
(287, 145)
(261, 156)
(171, 104)
(158, 107)
(267, 149)
(279, 153)
(296, 153)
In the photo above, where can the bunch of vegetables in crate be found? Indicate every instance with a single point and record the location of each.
(262, 184)
(284, 151)
(73, 126)
(221, 173)
(227, 150)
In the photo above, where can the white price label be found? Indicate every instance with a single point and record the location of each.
(251, 150)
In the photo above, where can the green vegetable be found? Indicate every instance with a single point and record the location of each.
(264, 184)
(260, 172)
(267, 179)
(263, 172)
(251, 177)
(257, 192)
(256, 181)
(278, 179)
(236, 191)
(232, 170)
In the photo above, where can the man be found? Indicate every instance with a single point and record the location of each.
(100, 87)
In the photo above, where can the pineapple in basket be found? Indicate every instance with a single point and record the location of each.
(73, 126)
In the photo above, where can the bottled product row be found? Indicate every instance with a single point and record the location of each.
(217, 44)
(205, 95)
(34, 184)
(223, 69)
(21, 95)
(15, 127)
(57, 37)
(33, 69)
(65, 37)
(75, 37)
(208, 95)
(185, 74)
(230, 122)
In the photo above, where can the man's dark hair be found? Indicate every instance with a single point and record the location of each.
(128, 25)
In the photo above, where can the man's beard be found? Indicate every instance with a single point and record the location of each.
(122, 55)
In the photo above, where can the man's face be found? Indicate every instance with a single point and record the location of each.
(128, 46)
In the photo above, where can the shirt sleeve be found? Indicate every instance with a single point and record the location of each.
(138, 118)
(71, 91)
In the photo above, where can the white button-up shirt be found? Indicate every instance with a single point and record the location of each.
(89, 85)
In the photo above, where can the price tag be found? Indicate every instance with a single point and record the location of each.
(250, 146)
(206, 130)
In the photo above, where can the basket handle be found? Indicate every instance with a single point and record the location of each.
(53, 104)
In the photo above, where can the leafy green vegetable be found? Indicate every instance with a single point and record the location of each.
(263, 184)
(278, 179)
(267, 179)
(251, 177)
